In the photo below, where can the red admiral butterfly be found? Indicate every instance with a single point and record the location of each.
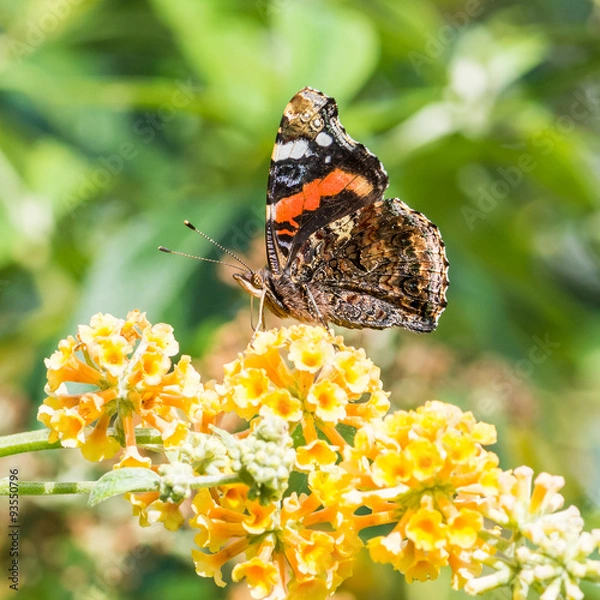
(337, 251)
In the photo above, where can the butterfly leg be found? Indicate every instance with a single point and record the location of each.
(315, 308)
(252, 313)
(260, 326)
(261, 313)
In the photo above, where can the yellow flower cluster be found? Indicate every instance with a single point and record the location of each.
(305, 544)
(308, 377)
(118, 372)
(426, 472)
(292, 550)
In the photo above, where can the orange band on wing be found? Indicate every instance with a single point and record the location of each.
(287, 209)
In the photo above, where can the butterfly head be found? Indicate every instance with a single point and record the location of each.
(253, 282)
(306, 114)
(261, 284)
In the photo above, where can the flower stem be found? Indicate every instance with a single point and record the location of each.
(32, 441)
(46, 488)
(28, 441)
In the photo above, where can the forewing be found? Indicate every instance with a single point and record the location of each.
(382, 266)
(318, 174)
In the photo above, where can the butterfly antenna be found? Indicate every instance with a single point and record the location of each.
(226, 250)
(210, 260)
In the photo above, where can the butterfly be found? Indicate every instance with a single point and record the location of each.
(337, 251)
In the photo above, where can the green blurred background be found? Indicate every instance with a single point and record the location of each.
(120, 119)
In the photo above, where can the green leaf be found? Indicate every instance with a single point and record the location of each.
(130, 272)
(271, 61)
(341, 56)
(228, 52)
(121, 481)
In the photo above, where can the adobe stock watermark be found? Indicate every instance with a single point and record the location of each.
(144, 131)
(591, 502)
(583, 106)
(436, 43)
(499, 594)
(253, 226)
(266, 8)
(37, 31)
(105, 585)
(504, 385)
(14, 530)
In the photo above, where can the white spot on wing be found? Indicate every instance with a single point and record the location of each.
(296, 149)
(299, 149)
(323, 139)
(281, 151)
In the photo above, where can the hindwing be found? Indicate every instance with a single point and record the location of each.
(380, 266)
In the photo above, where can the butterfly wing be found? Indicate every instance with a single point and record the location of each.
(318, 174)
(384, 265)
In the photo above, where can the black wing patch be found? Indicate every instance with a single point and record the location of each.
(318, 175)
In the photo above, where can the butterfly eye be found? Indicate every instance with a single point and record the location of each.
(257, 281)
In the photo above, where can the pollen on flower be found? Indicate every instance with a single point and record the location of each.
(391, 468)
(464, 528)
(425, 459)
(126, 366)
(425, 528)
(284, 405)
(357, 370)
(327, 400)
(309, 354)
